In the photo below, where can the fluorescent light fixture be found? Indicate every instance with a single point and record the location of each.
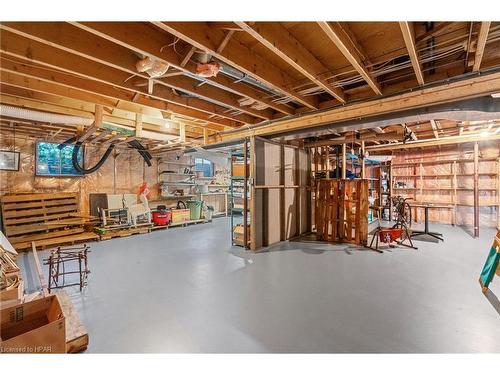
(484, 133)
(496, 95)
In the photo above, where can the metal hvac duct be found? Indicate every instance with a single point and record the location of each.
(51, 118)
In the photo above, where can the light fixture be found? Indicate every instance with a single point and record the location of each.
(167, 124)
(484, 133)
(496, 95)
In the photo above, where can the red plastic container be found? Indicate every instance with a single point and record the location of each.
(388, 235)
(162, 217)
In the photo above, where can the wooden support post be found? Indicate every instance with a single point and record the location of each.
(316, 160)
(182, 132)
(327, 153)
(309, 192)
(98, 115)
(297, 192)
(454, 199)
(344, 161)
(205, 136)
(363, 166)
(138, 125)
(282, 194)
(476, 189)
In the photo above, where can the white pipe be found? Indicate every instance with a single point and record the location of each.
(51, 118)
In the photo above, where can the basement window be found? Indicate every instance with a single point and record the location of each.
(205, 166)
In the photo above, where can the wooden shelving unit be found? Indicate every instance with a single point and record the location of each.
(415, 183)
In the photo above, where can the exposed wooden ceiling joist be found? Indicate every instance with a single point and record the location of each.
(409, 38)
(141, 39)
(34, 51)
(435, 142)
(434, 129)
(342, 39)
(481, 44)
(62, 36)
(485, 84)
(280, 41)
(91, 91)
(207, 38)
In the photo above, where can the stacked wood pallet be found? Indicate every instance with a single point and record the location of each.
(48, 219)
(106, 233)
(341, 211)
(11, 283)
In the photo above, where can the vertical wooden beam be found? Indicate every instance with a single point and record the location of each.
(310, 189)
(344, 161)
(282, 194)
(363, 166)
(297, 192)
(434, 129)
(98, 115)
(481, 44)
(327, 152)
(205, 136)
(182, 132)
(138, 125)
(476, 189)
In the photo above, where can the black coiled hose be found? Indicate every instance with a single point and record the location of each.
(135, 144)
(79, 168)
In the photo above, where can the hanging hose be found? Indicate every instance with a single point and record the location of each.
(134, 144)
(78, 167)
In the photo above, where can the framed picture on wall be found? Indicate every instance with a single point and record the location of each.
(9, 160)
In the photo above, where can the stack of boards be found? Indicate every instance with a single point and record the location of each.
(48, 219)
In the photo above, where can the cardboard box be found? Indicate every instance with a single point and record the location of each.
(15, 293)
(33, 327)
(180, 215)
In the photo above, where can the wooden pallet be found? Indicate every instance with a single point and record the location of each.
(48, 219)
(124, 232)
(341, 211)
(186, 223)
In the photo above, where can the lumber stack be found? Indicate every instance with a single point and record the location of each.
(48, 219)
(11, 283)
(341, 211)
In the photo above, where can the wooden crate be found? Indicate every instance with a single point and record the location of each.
(341, 211)
(33, 327)
(48, 219)
(181, 215)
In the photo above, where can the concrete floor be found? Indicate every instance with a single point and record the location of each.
(187, 290)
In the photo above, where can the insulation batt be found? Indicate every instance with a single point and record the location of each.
(208, 70)
(151, 66)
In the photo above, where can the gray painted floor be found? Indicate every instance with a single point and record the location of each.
(187, 290)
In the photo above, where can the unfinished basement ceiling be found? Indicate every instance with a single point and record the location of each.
(269, 71)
